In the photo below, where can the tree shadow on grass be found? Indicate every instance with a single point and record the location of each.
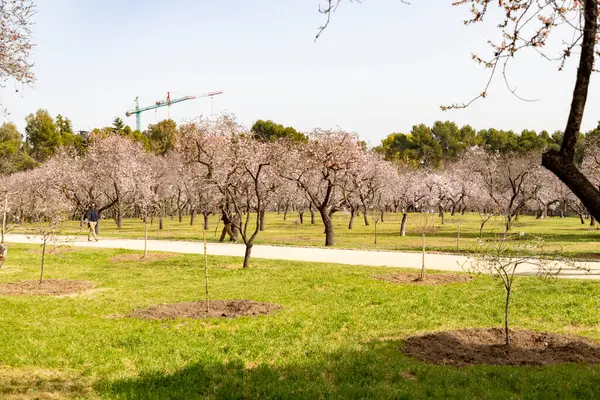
(375, 370)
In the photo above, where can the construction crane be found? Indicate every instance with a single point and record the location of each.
(162, 103)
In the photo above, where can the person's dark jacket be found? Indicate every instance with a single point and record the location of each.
(92, 215)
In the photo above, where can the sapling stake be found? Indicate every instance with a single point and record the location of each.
(145, 237)
(458, 236)
(43, 258)
(423, 257)
(205, 270)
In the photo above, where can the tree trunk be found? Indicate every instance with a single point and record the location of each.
(205, 215)
(328, 223)
(561, 162)
(382, 212)
(365, 217)
(509, 219)
(285, 211)
(453, 211)
(247, 254)
(301, 217)
(403, 224)
(351, 222)
(312, 216)
(441, 212)
(180, 215)
(160, 223)
(192, 217)
(592, 221)
(581, 219)
(375, 233)
(483, 221)
(464, 209)
(261, 222)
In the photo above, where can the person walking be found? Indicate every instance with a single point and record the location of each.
(226, 225)
(91, 218)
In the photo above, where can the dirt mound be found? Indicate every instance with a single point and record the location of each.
(486, 346)
(197, 310)
(49, 287)
(430, 279)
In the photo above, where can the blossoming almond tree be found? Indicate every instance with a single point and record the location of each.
(249, 184)
(16, 20)
(322, 167)
(46, 207)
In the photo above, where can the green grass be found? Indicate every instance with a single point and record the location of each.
(339, 334)
(566, 235)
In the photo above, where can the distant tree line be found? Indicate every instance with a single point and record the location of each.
(445, 142)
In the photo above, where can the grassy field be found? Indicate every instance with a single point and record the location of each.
(567, 235)
(339, 334)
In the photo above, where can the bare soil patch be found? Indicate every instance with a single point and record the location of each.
(486, 346)
(140, 258)
(197, 310)
(49, 287)
(429, 279)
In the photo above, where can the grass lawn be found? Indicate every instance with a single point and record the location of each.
(566, 235)
(339, 334)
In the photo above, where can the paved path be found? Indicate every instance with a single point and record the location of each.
(444, 262)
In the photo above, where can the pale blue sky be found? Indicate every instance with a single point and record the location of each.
(381, 67)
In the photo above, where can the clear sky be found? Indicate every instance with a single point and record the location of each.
(381, 66)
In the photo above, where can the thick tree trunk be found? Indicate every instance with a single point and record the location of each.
(441, 212)
(382, 215)
(328, 223)
(205, 214)
(365, 217)
(301, 216)
(562, 162)
(180, 215)
(453, 211)
(119, 220)
(403, 224)
(247, 255)
(312, 216)
(285, 212)
(161, 224)
(192, 217)
(581, 219)
(351, 222)
(261, 223)
(592, 221)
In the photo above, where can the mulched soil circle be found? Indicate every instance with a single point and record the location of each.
(429, 279)
(197, 310)
(49, 287)
(486, 346)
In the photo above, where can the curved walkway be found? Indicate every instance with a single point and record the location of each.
(443, 262)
